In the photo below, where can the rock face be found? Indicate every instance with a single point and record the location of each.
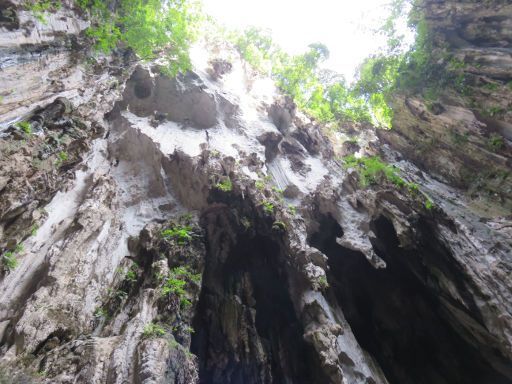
(200, 229)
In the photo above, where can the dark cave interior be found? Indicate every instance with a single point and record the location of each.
(395, 315)
(256, 336)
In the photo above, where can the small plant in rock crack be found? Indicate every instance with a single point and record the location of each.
(152, 330)
(39, 7)
(9, 259)
(176, 284)
(119, 295)
(61, 158)
(323, 283)
(278, 226)
(495, 143)
(132, 273)
(260, 185)
(215, 154)
(33, 229)
(268, 207)
(101, 312)
(225, 185)
(429, 205)
(25, 126)
(182, 234)
(494, 111)
(186, 217)
(372, 169)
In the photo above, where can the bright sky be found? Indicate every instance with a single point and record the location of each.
(345, 26)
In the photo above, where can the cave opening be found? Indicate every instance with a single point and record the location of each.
(397, 317)
(246, 328)
(142, 89)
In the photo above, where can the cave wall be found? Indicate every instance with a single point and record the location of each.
(193, 230)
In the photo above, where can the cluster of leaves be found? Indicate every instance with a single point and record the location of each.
(176, 282)
(101, 312)
(39, 7)
(495, 143)
(9, 259)
(25, 126)
(422, 68)
(225, 185)
(321, 93)
(255, 46)
(268, 207)
(151, 28)
(372, 170)
(325, 95)
(182, 234)
(132, 273)
(153, 330)
(62, 157)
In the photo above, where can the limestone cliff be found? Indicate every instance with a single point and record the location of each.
(201, 230)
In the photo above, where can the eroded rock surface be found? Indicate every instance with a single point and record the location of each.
(201, 230)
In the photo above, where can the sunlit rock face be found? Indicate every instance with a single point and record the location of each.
(202, 230)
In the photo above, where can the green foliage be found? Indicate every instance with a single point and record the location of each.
(151, 28)
(174, 286)
(225, 185)
(279, 191)
(322, 281)
(268, 207)
(132, 273)
(279, 226)
(459, 138)
(9, 259)
(320, 93)
(182, 234)
(493, 111)
(25, 126)
(153, 330)
(101, 312)
(260, 185)
(176, 283)
(372, 170)
(254, 45)
(33, 230)
(495, 143)
(491, 86)
(297, 75)
(61, 158)
(106, 35)
(39, 7)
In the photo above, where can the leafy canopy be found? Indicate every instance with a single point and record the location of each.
(151, 28)
(321, 93)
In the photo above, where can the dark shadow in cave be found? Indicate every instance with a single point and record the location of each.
(246, 299)
(395, 316)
